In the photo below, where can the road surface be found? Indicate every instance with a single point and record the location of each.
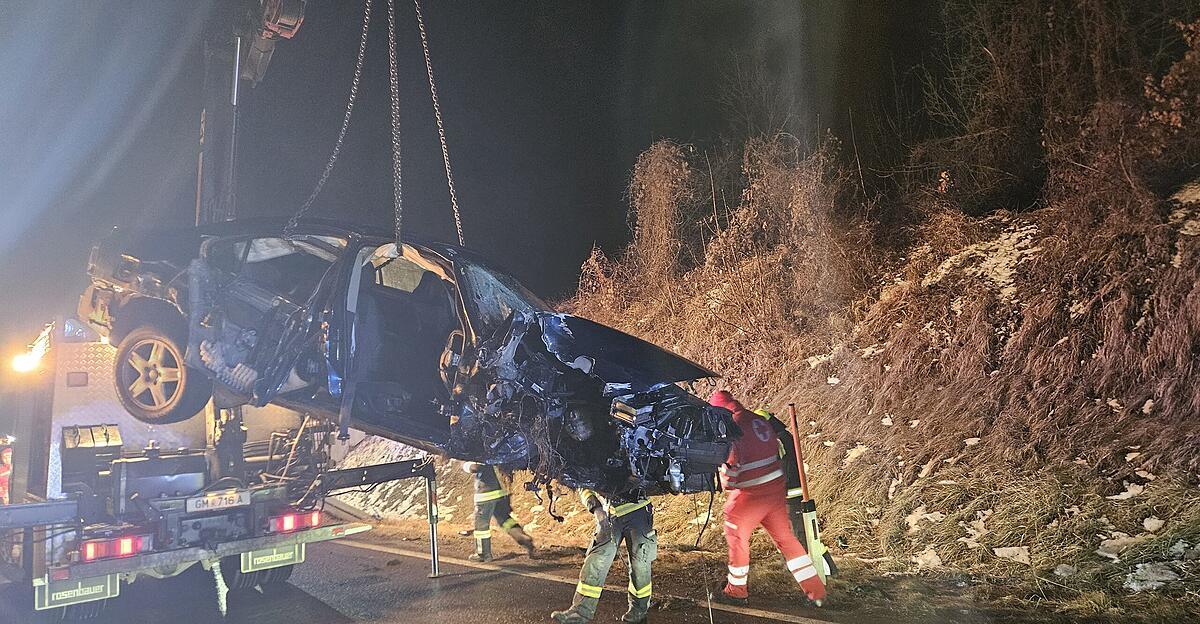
(343, 584)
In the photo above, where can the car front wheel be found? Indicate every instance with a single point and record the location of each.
(152, 381)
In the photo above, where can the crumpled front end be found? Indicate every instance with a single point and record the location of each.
(590, 417)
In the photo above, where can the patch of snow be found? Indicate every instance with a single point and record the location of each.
(1065, 570)
(975, 529)
(913, 520)
(1145, 474)
(828, 442)
(817, 360)
(995, 261)
(1118, 543)
(871, 351)
(700, 519)
(886, 421)
(1179, 549)
(1148, 406)
(928, 559)
(1188, 193)
(854, 453)
(971, 441)
(912, 424)
(1132, 456)
(1153, 524)
(833, 381)
(1020, 554)
(947, 482)
(1149, 577)
(1131, 490)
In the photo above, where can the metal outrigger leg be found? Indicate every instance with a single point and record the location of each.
(334, 480)
(432, 508)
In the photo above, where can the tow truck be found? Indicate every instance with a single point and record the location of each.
(99, 499)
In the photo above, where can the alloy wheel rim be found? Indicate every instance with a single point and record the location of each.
(151, 374)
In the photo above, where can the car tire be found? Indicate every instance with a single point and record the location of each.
(152, 381)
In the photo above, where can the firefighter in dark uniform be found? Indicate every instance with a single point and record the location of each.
(791, 473)
(492, 501)
(630, 519)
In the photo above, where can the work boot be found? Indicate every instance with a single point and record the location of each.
(483, 550)
(637, 612)
(570, 616)
(522, 539)
(720, 596)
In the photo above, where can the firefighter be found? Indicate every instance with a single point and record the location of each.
(791, 473)
(492, 501)
(758, 496)
(630, 519)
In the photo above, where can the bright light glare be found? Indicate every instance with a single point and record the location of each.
(26, 362)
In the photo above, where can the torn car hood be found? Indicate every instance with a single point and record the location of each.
(612, 356)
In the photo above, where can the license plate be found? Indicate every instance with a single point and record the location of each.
(218, 500)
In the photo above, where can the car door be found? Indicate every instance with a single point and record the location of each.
(255, 311)
(402, 314)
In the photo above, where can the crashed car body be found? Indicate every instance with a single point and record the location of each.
(425, 344)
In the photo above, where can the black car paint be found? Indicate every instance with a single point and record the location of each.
(621, 368)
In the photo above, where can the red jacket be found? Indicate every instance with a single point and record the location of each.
(753, 464)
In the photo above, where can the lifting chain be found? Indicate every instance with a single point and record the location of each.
(394, 93)
(290, 229)
(437, 116)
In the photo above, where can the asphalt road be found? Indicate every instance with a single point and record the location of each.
(344, 584)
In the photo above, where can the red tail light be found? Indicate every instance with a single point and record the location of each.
(124, 546)
(294, 520)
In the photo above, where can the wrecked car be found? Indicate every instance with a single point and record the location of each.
(423, 343)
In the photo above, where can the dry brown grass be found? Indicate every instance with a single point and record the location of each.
(1064, 338)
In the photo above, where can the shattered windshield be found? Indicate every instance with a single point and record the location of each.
(493, 296)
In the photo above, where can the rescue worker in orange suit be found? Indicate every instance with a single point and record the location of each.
(791, 472)
(753, 475)
(492, 501)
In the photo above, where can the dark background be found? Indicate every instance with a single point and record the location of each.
(547, 106)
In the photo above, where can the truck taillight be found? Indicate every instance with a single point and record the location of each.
(292, 521)
(116, 547)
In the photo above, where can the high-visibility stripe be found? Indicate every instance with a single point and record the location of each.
(731, 525)
(803, 574)
(628, 508)
(483, 497)
(756, 464)
(799, 562)
(644, 592)
(590, 591)
(483, 534)
(735, 580)
(508, 524)
(794, 492)
(770, 476)
(739, 570)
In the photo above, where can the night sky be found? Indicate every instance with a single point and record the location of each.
(546, 105)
